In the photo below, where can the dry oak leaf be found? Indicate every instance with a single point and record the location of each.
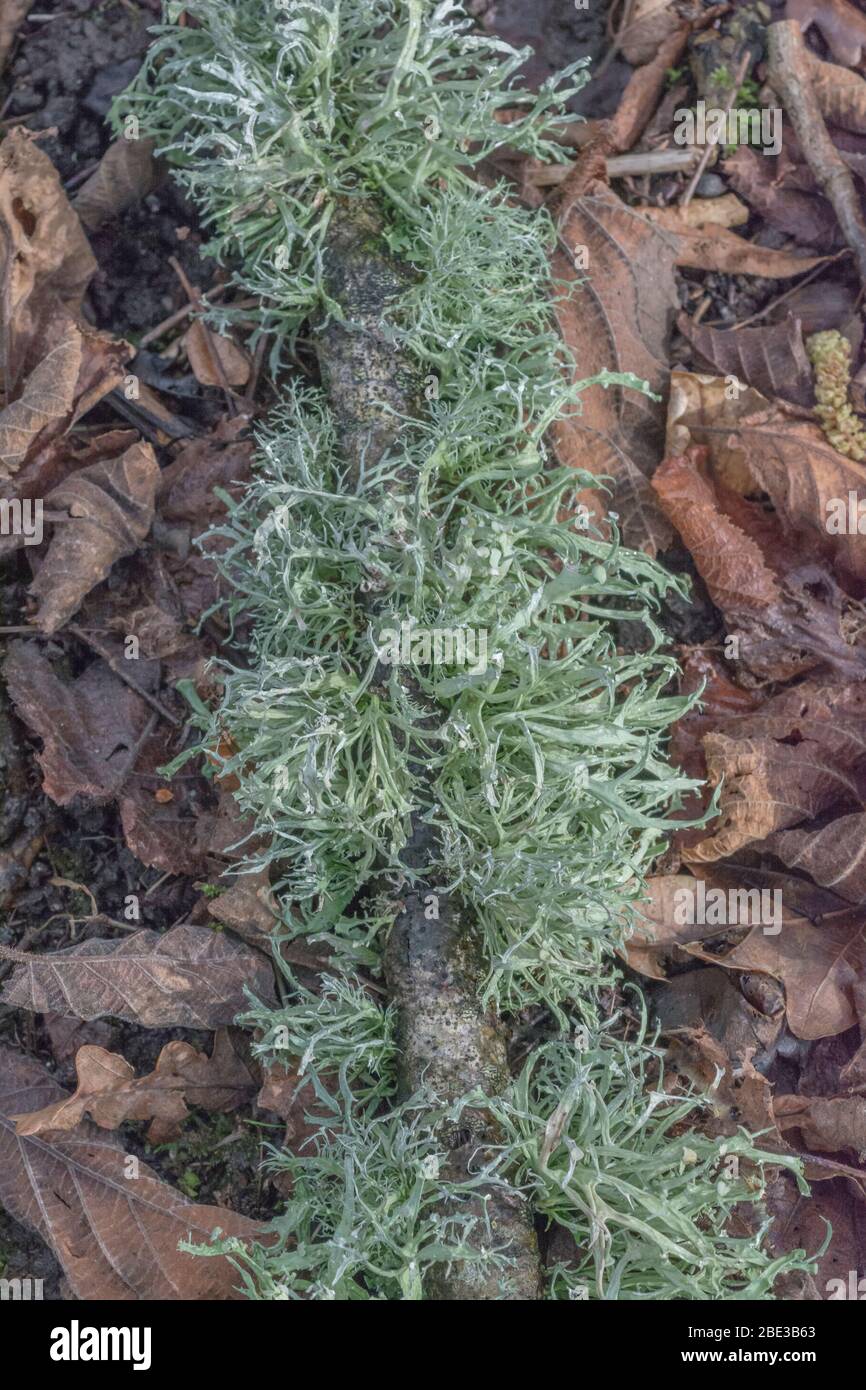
(842, 26)
(112, 505)
(109, 1094)
(834, 855)
(126, 173)
(113, 1225)
(189, 977)
(818, 967)
(45, 258)
(618, 431)
(90, 726)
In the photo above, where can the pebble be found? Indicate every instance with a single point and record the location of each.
(710, 186)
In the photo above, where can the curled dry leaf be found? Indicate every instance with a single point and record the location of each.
(109, 1094)
(113, 1225)
(717, 248)
(726, 211)
(650, 22)
(618, 432)
(187, 978)
(841, 94)
(754, 443)
(126, 173)
(111, 504)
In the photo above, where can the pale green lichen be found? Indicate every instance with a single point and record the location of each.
(545, 774)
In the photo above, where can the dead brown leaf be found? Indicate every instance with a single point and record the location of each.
(89, 726)
(114, 1226)
(842, 26)
(187, 978)
(717, 248)
(46, 400)
(771, 359)
(215, 360)
(756, 445)
(800, 754)
(248, 907)
(109, 1094)
(111, 504)
(650, 23)
(126, 173)
(805, 216)
(709, 999)
(45, 259)
(834, 855)
(618, 432)
(818, 966)
(827, 1124)
(13, 13)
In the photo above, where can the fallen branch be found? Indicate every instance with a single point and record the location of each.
(789, 74)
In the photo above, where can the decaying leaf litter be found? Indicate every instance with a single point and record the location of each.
(712, 291)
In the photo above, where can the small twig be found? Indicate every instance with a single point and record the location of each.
(789, 74)
(619, 166)
(117, 668)
(178, 316)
